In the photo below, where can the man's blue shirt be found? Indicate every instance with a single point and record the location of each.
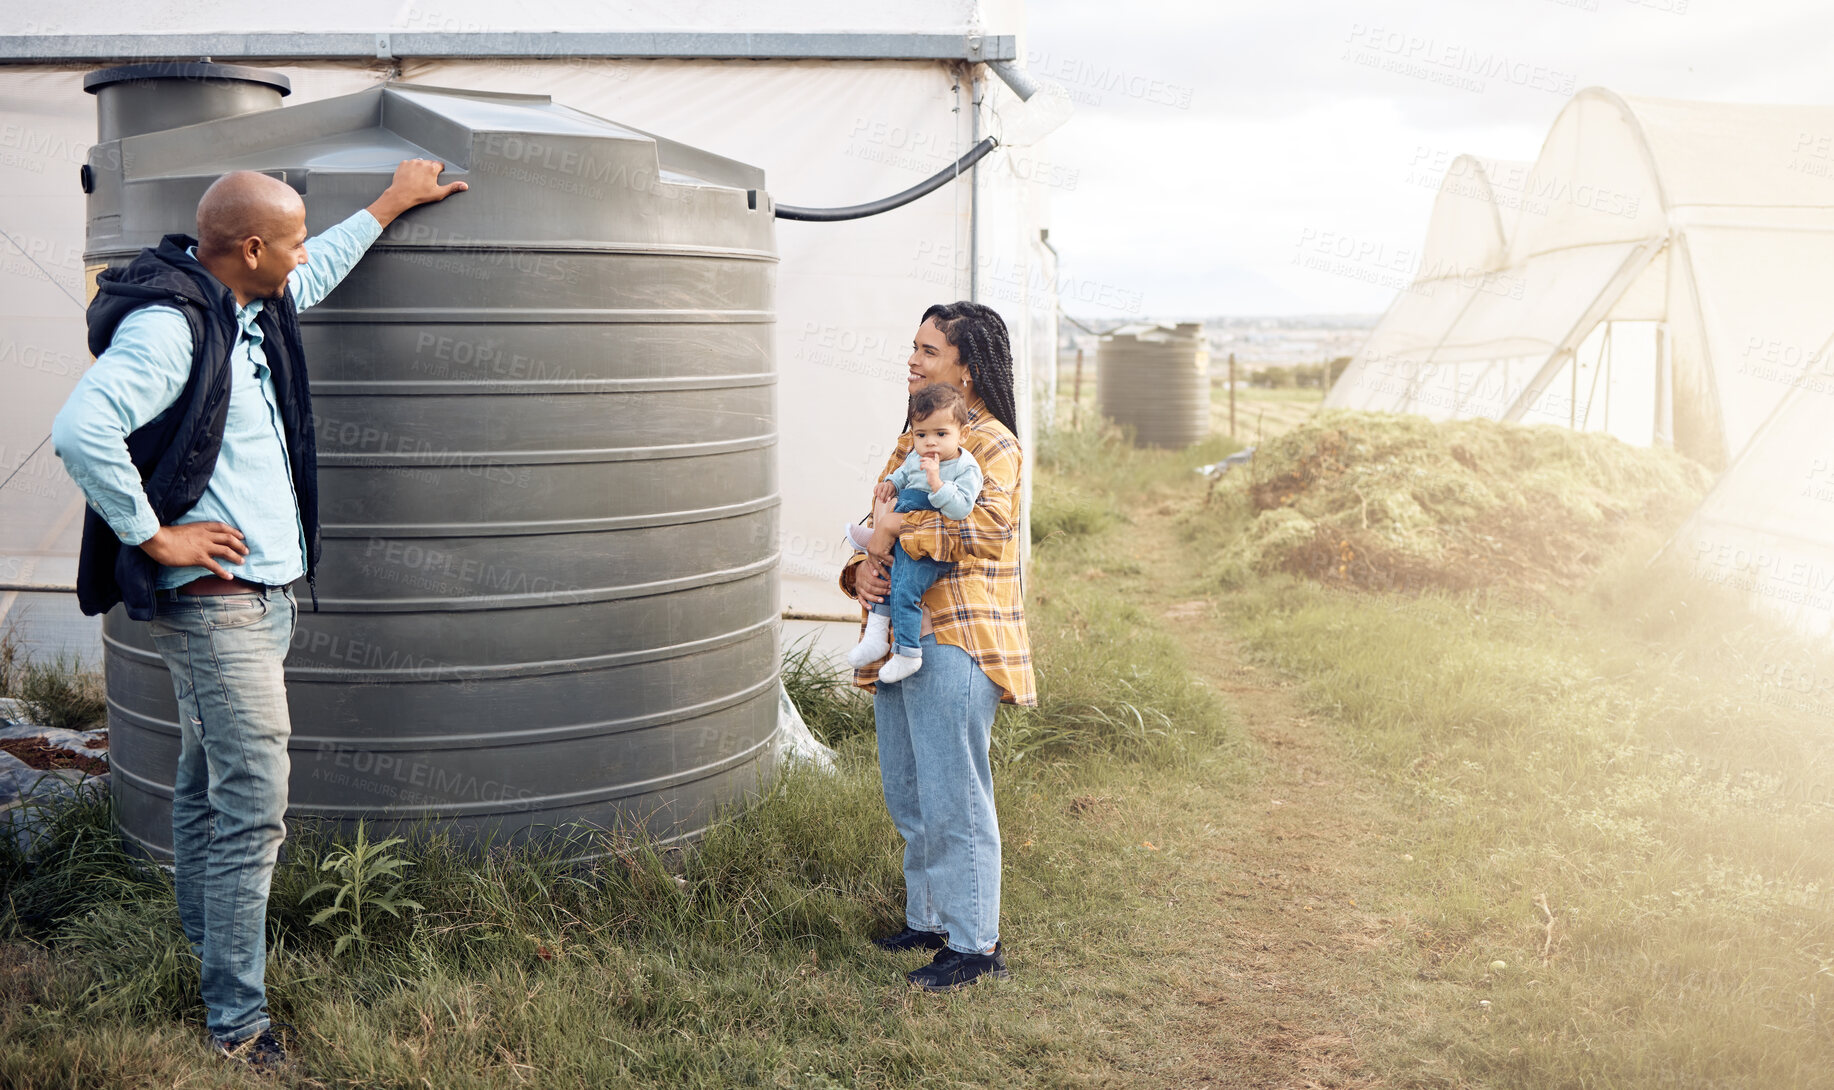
(142, 373)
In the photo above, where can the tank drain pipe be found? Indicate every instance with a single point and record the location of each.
(974, 218)
(897, 200)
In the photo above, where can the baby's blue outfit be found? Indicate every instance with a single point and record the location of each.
(912, 575)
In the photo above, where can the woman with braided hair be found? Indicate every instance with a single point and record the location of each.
(934, 726)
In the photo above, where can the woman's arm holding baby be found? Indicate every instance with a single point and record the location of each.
(862, 577)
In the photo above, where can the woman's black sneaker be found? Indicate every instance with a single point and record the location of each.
(953, 969)
(912, 939)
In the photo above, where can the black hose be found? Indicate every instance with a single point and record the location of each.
(873, 208)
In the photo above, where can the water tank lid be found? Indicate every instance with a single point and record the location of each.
(97, 80)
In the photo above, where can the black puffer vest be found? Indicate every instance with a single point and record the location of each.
(176, 452)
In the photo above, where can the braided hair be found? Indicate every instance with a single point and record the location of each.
(978, 333)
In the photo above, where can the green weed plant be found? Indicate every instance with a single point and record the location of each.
(367, 880)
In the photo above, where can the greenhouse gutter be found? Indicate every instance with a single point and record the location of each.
(1000, 49)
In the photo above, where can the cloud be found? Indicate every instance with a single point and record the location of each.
(1208, 136)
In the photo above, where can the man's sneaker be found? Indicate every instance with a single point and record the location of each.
(953, 969)
(263, 1051)
(912, 939)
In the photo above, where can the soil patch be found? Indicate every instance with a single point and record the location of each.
(41, 755)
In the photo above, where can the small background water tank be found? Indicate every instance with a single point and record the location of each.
(1156, 381)
(546, 431)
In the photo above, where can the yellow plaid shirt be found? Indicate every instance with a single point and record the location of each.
(975, 606)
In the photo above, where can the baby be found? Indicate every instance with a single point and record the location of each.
(937, 476)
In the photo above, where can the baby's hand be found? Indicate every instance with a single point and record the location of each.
(884, 492)
(932, 469)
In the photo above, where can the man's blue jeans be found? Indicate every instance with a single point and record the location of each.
(230, 793)
(910, 577)
(934, 728)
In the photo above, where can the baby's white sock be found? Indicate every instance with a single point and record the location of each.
(900, 667)
(874, 643)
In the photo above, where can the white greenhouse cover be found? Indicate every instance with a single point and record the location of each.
(849, 294)
(1661, 271)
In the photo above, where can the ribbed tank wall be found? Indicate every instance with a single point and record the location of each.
(1157, 384)
(547, 476)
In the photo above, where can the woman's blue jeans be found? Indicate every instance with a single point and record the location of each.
(934, 728)
(225, 653)
(910, 577)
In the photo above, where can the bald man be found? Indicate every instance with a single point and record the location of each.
(192, 438)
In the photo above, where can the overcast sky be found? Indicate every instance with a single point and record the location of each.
(1210, 138)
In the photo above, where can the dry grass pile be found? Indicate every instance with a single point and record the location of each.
(1386, 502)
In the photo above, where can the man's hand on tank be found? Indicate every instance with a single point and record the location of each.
(416, 182)
(197, 545)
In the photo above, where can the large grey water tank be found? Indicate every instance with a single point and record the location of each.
(546, 431)
(1156, 381)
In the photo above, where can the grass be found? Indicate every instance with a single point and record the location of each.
(9, 659)
(1262, 414)
(1628, 798)
(741, 961)
(1379, 501)
(834, 710)
(1622, 789)
(57, 692)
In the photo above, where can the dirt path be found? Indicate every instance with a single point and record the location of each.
(1282, 946)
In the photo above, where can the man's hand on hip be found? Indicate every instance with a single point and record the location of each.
(197, 545)
(416, 182)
